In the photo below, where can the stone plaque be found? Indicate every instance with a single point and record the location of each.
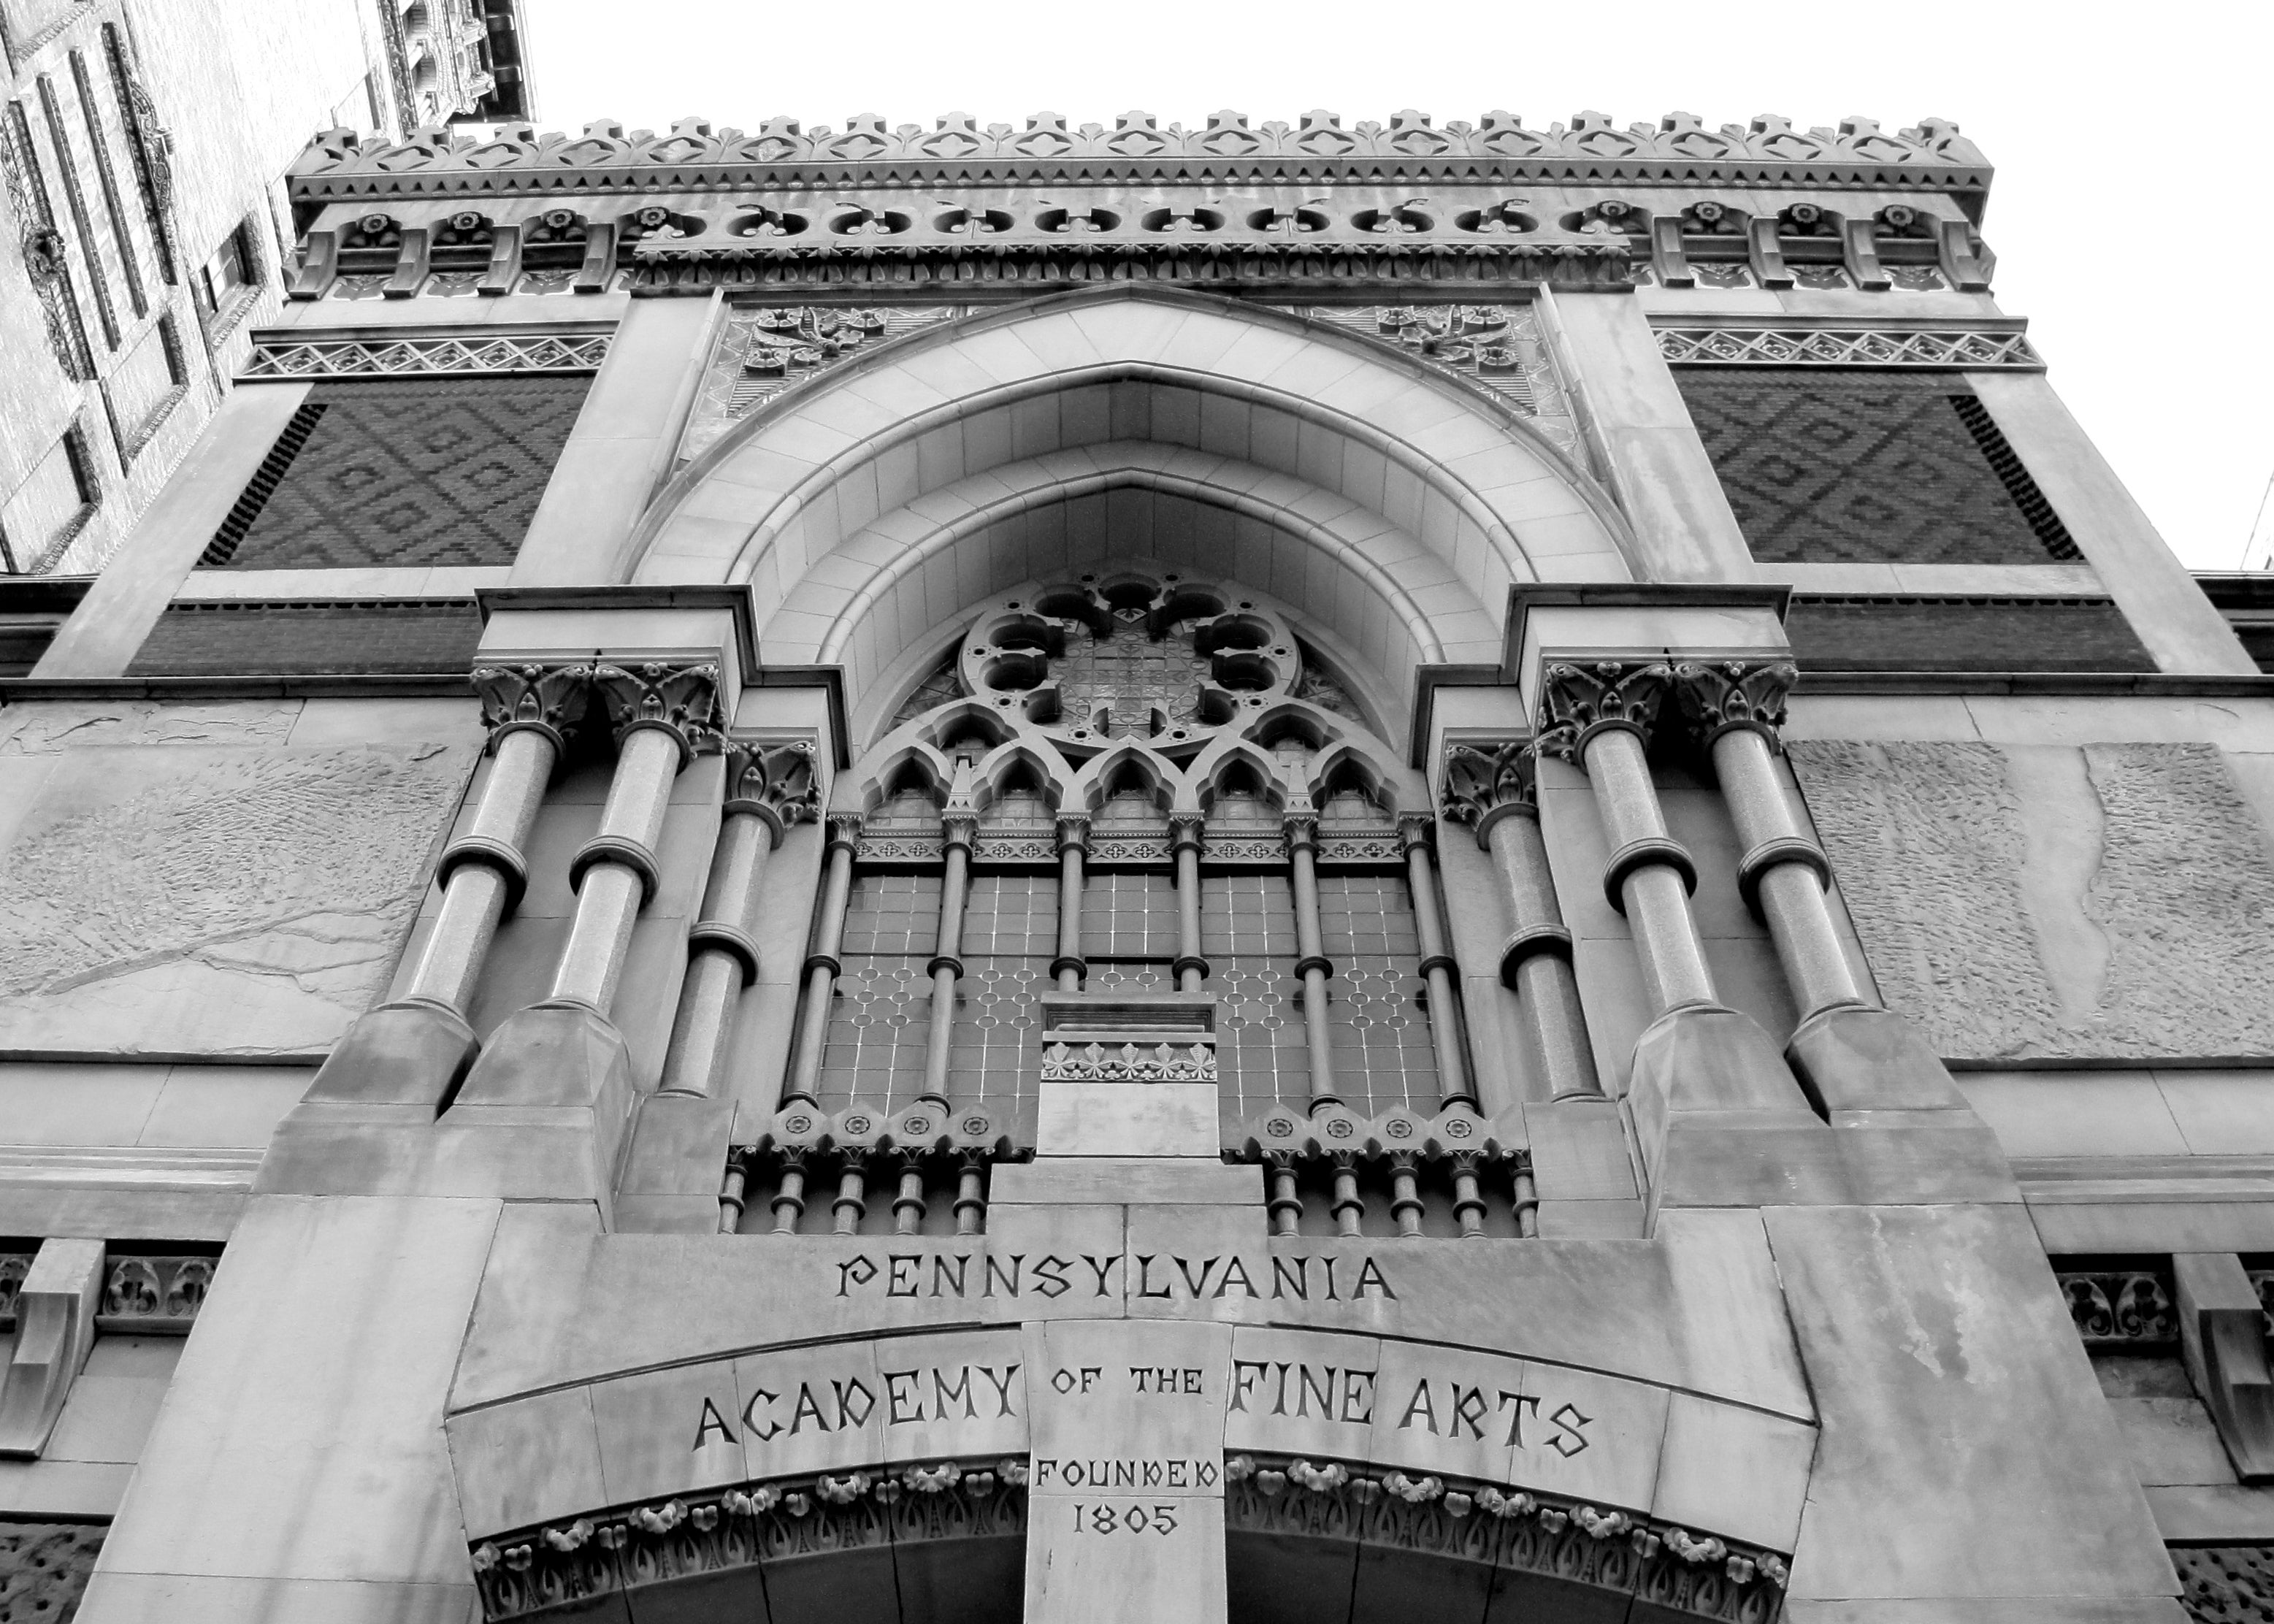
(2051, 902)
(196, 900)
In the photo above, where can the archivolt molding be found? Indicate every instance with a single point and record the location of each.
(1460, 470)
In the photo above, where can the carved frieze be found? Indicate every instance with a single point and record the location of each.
(2110, 901)
(278, 356)
(248, 900)
(1941, 349)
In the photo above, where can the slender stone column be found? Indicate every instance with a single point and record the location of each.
(662, 715)
(1735, 709)
(1310, 964)
(767, 791)
(1190, 969)
(1599, 716)
(1437, 966)
(1492, 789)
(1073, 847)
(483, 872)
(960, 829)
(823, 965)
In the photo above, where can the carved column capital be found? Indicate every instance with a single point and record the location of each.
(1416, 829)
(1073, 831)
(1722, 695)
(1485, 783)
(844, 832)
(1578, 702)
(682, 700)
(546, 700)
(1186, 828)
(773, 783)
(1300, 829)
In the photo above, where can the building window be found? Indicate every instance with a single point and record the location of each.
(227, 273)
(1130, 714)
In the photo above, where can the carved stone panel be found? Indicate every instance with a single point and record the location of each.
(2113, 901)
(210, 900)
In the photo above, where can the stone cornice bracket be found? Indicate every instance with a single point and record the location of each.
(682, 700)
(1486, 782)
(773, 783)
(1577, 703)
(55, 1326)
(2223, 1338)
(1722, 695)
(547, 700)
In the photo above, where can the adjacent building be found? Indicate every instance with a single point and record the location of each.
(1268, 871)
(143, 149)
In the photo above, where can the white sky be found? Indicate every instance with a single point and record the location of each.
(2130, 213)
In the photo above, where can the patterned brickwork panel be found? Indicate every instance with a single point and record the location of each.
(1963, 634)
(1869, 466)
(429, 471)
(2226, 1584)
(44, 1569)
(236, 639)
(2046, 902)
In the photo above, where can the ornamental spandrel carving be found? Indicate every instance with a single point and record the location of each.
(214, 900)
(2026, 902)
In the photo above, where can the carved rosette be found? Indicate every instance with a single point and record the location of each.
(1486, 782)
(546, 700)
(1577, 702)
(682, 700)
(773, 783)
(1725, 695)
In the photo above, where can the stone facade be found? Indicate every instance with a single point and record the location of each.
(1260, 872)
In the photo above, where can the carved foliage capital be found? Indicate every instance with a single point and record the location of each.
(1723, 694)
(774, 781)
(549, 700)
(1073, 830)
(1481, 779)
(679, 700)
(1577, 702)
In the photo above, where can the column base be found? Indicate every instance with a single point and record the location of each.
(1705, 1060)
(1851, 1058)
(369, 1116)
(544, 1113)
(673, 1165)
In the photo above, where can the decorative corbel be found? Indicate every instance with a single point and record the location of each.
(1578, 702)
(547, 700)
(2223, 1337)
(55, 1327)
(773, 783)
(679, 700)
(1486, 782)
(1718, 697)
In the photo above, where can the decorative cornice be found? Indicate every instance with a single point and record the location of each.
(286, 355)
(2117, 1307)
(1937, 348)
(1317, 150)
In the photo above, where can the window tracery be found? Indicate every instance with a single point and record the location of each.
(1168, 749)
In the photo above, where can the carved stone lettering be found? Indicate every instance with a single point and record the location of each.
(242, 900)
(2110, 901)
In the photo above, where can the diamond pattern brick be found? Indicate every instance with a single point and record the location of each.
(1861, 466)
(432, 471)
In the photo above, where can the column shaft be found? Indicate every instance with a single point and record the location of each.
(1649, 875)
(822, 963)
(1784, 869)
(947, 960)
(1437, 968)
(617, 871)
(724, 957)
(1070, 967)
(477, 886)
(1191, 968)
(1311, 963)
(1536, 963)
